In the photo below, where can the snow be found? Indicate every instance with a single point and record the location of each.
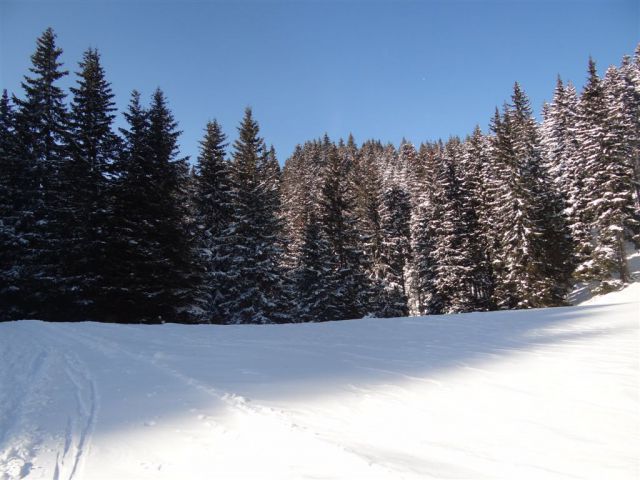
(537, 394)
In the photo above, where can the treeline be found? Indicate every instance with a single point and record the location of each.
(116, 226)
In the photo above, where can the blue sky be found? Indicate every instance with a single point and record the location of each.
(379, 69)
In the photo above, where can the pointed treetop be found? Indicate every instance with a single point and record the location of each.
(214, 138)
(4, 102)
(496, 121)
(45, 58)
(521, 103)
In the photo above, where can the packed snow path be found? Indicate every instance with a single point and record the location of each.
(542, 394)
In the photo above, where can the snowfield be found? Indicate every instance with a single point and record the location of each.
(538, 394)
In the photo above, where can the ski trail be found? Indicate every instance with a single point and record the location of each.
(80, 426)
(19, 439)
(238, 403)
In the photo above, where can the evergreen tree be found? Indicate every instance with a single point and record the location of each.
(533, 256)
(339, 228)
(213, 212)
(42, 135)
(630, 92)
(366, 187)
(252, 239)
(11, 199)
(455, 251)
(153, 278)
(93, 148)
(608, 194)
(564, 163)
(314, 277)
(395, 251)
(477, 183)
(423, 296)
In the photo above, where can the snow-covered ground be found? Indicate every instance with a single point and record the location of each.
(540, 394)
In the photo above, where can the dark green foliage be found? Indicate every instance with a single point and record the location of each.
(532, 249)
(252, 241)
(338, 222)
(12, 179)
(154, 277)
(93, 149)
(314, 278)
(98, 226)
(395, 252)
(42, 138)
(212, 197)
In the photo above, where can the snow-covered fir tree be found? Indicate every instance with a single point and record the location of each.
(339, 226)
(93, 149)
(42, 136)
(477, 185)
(395, 251)
(423, 295)
(607, 204)
(252, 241)
(315, 277)
(532, 259)
(212, 199)
(11, 201)
(119, 228)
(150, 276)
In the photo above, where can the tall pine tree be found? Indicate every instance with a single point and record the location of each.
(42, 135)
(252, 240)
(93, 149)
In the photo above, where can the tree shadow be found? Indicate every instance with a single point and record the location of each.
(143, 373)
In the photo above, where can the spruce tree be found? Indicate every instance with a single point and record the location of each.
(395, 251)
(314, 277)
(93, 149)
(152, 279)
(477, 175)
(455, 248)
(213, 215)
(42, 136)
(251, 241)
(607, 204)
(339, 226)
(11, 201)
(533, 249)
(423, 296)
(366, 185)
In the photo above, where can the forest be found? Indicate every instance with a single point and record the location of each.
(116, 226)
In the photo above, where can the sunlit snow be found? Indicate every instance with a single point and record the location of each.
(538, 394)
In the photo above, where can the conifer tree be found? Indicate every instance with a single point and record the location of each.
(607, 203)
(533, 256)
(366, 186)
(314, 277)
(339, 225)
(252, 239)
(423, 296)
(477, 177)
(153, 278)
(42, 134)
(455, 250)
(93, 149)
(11, 200)
(213, 215)
(395, 251)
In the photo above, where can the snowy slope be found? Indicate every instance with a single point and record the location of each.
(542, 394)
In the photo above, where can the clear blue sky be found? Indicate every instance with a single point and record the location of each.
(379, 69)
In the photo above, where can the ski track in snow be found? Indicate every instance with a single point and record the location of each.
(38, 373)
(538, 394)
